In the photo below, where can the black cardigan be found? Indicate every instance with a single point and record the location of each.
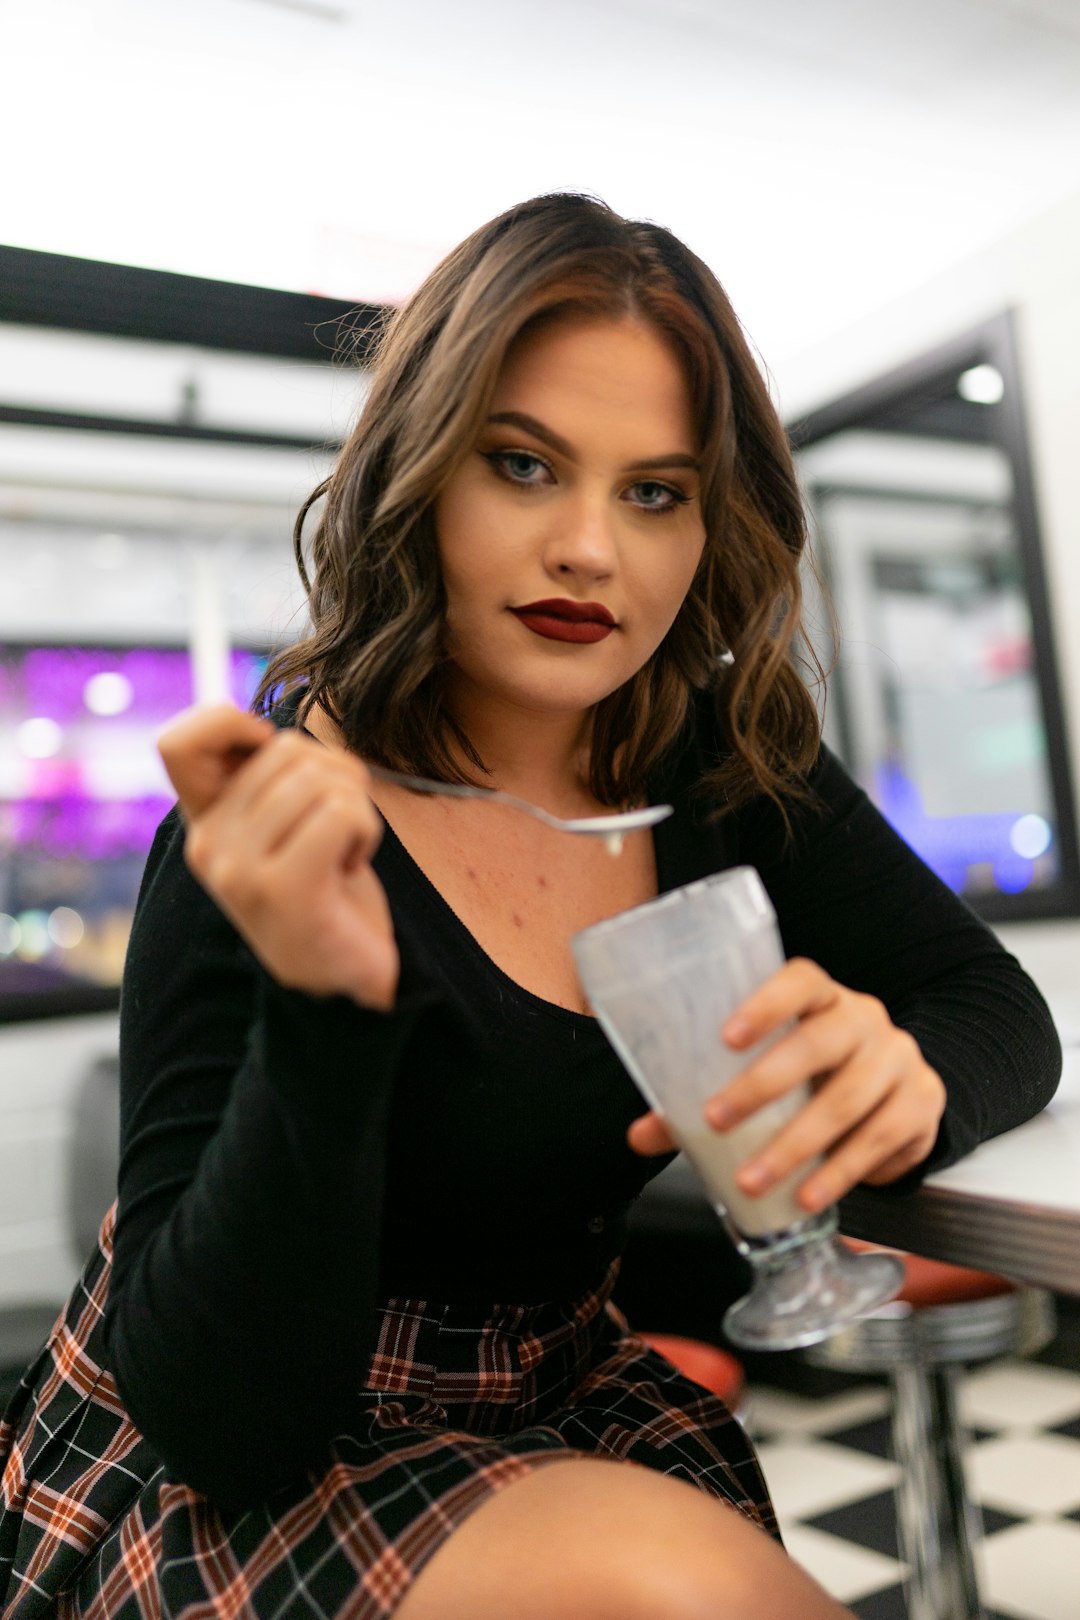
(288, 1161)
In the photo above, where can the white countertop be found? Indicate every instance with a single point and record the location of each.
(1037, 1163)
(1012, 1206)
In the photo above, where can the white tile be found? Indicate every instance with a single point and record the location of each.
(1027, 1474)
(777, 1411)
(1031, 1570)
(1019, 1394)
(846, 1571)
(807, 1477)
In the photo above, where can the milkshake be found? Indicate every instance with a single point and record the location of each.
(663, 979)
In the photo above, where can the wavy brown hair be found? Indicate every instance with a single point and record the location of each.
(375, 656)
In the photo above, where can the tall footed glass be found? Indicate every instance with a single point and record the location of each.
(662, 979)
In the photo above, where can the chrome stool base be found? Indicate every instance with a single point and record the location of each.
(920, 1347)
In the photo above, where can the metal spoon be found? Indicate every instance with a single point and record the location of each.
(612, 829)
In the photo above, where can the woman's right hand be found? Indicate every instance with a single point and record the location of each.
(280, 832)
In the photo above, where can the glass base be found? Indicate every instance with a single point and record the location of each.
(807, 1286)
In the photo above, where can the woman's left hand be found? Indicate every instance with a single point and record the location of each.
(876, 1102)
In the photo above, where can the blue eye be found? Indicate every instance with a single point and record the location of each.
(654, 497)
(517, 466)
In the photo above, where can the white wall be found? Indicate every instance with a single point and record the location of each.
(41, 1068)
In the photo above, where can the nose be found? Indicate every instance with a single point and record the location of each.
(582, 540)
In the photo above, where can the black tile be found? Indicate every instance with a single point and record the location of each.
(1064, 1348)
(993, 1520)
(976, 1434)
(1072, 1428)
(869, 1522)
(791, 1372)
(874, 1436)
(888, 1604)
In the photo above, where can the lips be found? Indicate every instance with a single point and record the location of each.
(563, 620)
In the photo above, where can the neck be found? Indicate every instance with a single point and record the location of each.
(541, 756)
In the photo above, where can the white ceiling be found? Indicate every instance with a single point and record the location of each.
(824, 156)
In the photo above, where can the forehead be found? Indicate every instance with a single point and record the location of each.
(593, 373)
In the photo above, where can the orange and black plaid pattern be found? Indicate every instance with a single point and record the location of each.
(453, 1409)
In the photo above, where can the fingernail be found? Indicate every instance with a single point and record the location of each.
(719, 1114)
(736, 1029)
(753, 1177)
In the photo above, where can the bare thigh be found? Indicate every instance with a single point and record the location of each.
(587, 1539)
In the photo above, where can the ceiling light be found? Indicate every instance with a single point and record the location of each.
(983, 385)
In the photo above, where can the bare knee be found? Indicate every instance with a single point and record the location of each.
(594, 1540)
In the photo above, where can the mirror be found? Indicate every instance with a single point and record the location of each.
(944, 700)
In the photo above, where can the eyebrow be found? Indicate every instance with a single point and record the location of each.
(548, 436)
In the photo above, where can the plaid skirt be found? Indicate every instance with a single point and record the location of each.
(455, 1406)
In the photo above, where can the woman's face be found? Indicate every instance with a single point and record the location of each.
(569, 536)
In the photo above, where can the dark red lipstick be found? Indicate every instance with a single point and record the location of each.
(559, 619)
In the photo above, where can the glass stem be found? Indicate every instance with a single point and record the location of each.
(770, 1253)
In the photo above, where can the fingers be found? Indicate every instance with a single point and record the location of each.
(870, 1154)
(276, 792)
(649, 1136)
(203, 748)
(292, 814)
(800, 987)
(875, 1104)
(337, 828)
(873, 1120)
(824, 1030)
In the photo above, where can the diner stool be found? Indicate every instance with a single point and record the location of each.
(944, 1316)
(706, 1364)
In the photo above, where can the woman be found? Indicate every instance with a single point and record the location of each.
(557, 556)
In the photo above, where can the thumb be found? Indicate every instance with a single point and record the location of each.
(649, 1135)
(203, 748)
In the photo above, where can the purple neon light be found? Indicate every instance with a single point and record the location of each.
(61, 817)
(951, 845)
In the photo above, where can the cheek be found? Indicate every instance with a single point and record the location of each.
(451, 527)
(675, 575)
(468, 531)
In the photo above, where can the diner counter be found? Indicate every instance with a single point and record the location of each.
(1012, 1206)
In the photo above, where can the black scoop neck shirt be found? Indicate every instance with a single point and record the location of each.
(288, 1162)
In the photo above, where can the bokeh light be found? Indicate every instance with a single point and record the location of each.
(39, 738)
(108, 692)
(66, 928)
(34, 941)
(1030, 836)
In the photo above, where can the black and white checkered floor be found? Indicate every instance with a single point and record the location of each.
(826, 1457)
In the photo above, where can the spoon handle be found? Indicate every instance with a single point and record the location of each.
(464, 790)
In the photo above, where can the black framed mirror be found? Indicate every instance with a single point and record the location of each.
(944, 699)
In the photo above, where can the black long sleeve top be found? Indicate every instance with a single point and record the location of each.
(289, 1161)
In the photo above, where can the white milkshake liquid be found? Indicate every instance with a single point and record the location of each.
(717, 1155)
(663, 979)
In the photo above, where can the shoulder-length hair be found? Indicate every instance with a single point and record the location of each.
(375, 657)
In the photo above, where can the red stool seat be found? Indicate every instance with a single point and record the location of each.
(934, 1282)
(704, 1363)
